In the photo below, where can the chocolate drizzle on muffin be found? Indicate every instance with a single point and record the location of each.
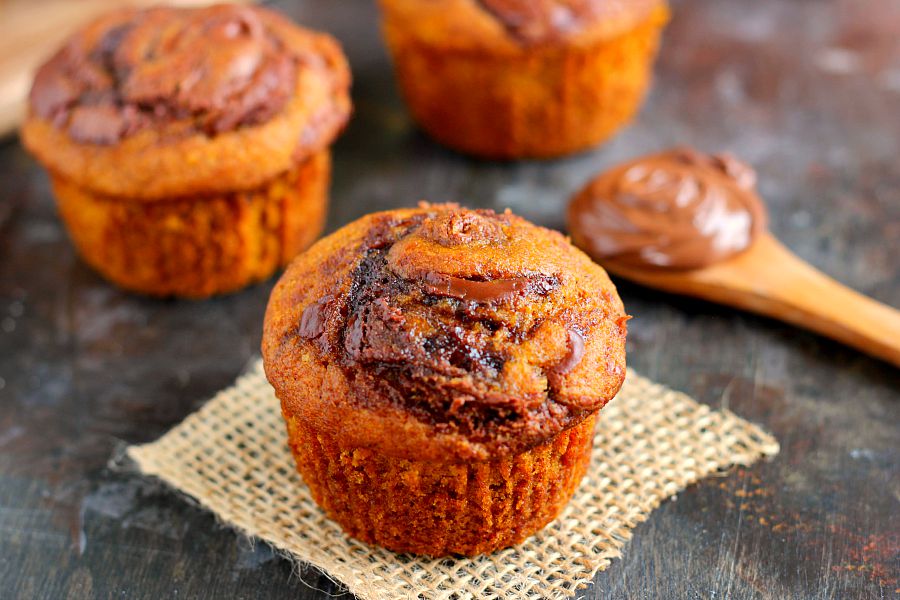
(466, 321)
(540, 21)
(532, 22)
(576, 352)
(216, 69)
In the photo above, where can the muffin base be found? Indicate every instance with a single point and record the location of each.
(197, 247)
(537, 103)
(435, 508)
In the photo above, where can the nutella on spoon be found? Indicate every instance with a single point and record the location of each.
(691, 223)
(678, 209)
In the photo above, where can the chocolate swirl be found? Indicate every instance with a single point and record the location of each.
(680, 209)
(215, 68)
(472, 321)
(533, 22)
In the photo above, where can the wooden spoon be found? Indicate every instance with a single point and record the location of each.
(770, 280)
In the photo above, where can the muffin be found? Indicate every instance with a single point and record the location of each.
(440, 371)
(523, 78)
(189, 148)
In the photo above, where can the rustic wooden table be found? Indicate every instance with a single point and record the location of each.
(808, 92)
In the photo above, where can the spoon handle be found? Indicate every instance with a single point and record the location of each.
(770, 280)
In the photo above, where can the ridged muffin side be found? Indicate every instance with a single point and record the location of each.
(199, 246)
(435, 508)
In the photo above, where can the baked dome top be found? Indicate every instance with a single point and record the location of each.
(518, 23)
(445, 333)
(139, 81)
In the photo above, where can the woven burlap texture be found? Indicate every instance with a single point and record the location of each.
(651, 442)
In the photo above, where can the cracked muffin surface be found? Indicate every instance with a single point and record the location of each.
(440, 372)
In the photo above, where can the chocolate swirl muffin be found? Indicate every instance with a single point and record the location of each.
(188, 148)
(440, 371)
(523, 78)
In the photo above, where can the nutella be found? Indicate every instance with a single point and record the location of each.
(216, 68)
(476, 291)
(679, 209)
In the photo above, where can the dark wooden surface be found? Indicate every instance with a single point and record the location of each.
(808, 92)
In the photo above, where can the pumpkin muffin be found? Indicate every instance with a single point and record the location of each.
(189, 148)
(523, 78)
(440, 371)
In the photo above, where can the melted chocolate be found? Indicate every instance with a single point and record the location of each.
(680, 209)
(533, 22)
(475, 291)
(312, 320)
(435, 342)
(219, 67)
(576, 352)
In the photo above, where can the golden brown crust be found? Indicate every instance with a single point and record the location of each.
(444, 334)
(503, 100)
(197, 247)
(515, 26)
(437, 508)
(206, 143)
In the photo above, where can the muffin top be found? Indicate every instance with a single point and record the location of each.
(518, 24)
(443, 333)
(199, 82)
(678, 209)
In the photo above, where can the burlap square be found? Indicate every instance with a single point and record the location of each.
(651, 442)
